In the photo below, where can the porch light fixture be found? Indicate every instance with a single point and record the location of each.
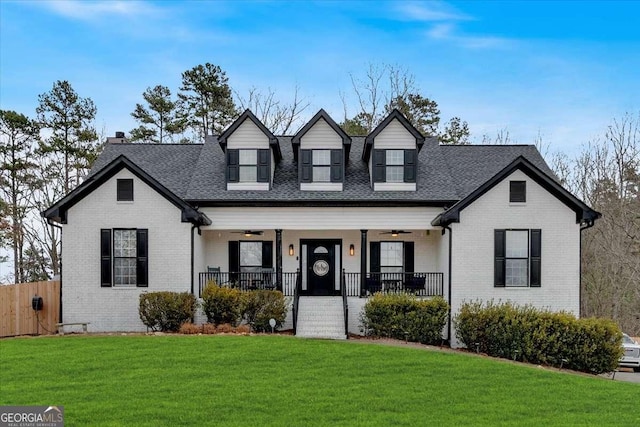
(352, 250)
(290, 250)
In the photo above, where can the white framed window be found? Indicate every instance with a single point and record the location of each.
(517, 258)
(124, 257)
(395, 165)
(321, 161)
(248, 164)
(250, 256)
(391, 257)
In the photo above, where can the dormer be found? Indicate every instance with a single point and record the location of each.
(251, 153)
(391, 153)
(321, 149)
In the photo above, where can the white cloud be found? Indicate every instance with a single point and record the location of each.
(449, 32)
(430, 12)
(92, 10)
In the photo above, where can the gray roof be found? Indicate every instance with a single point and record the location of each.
(196, 172)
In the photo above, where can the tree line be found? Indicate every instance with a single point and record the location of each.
(45, 156)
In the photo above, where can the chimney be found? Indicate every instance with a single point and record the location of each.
(118, 139)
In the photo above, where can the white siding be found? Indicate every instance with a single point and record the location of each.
(321, 186)
(394, 186)
(262, 186)
(319, 218)
(247, 135)
(394, 136)
(321, 136)
(473, 248)
(116, 309)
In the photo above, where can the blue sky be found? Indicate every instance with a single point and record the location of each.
(561, 69)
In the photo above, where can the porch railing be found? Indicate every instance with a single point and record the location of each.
(247, 281)
(422, 284)
(419, 283)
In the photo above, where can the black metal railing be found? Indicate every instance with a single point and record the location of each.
(419, 283)
(296, 298)
(345, 306)
(247, 281)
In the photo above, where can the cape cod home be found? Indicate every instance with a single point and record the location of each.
(327, 218)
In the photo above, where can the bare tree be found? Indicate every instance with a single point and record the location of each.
(279, 117)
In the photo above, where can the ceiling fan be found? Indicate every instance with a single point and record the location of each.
(249, 233)
(395, 233)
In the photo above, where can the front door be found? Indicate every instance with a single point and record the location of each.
(321, 266)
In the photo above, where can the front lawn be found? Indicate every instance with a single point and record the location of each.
(278, 380)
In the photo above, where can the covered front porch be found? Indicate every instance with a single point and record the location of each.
(357, 263)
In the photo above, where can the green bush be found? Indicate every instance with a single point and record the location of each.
(262, 305)
(166, 311)
(404, 316)
(539, 336)
(222, 304)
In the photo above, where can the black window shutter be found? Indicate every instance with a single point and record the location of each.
(410, 165)
(336, 165)
(105, 257)
(233, 165)
(408, 257)
(379, 163)
(124, 190)
(305, 166)
(142, 251)
(267, 254)
(374, 257)
(536, 255)
(263, 165)
(518, 191)
(234, 256)
(499, 253)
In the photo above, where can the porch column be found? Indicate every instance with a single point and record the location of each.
(363, 260)
(279, 259)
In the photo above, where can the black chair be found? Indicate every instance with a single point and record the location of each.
(415, 284)
(372, 285)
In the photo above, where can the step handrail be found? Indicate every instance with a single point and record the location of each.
(345, 306)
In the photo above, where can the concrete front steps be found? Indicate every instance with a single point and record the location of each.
(320, 317)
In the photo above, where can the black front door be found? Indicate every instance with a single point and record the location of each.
(321, 265)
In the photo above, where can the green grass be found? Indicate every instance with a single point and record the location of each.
(278, 380)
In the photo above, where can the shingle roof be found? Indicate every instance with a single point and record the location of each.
(196, 172)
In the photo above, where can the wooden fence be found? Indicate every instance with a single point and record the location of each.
(18, 318)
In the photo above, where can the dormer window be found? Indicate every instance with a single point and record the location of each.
(248, 165)
(394, 166)
(321, 166)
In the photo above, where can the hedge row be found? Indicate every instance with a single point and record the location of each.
(228, 305)
(167, 311)
(538, 336)
(405, 317)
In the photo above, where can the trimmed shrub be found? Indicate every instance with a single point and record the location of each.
(539, 336)
(224, 328)
(208, 329)
(243, 330)
(222, 304)
(406, 317)
(190, 329)
(263, 305)
(166, 311)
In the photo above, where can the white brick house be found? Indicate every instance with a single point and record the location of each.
(324, 217)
